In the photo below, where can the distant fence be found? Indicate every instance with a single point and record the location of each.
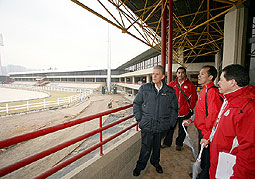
(27, 106)
(52, 88)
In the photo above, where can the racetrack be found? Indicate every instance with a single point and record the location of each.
(9, 95)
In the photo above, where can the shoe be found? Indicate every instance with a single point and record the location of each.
(164, 146)
(190, 174)
(136, 172)
(159, 169)
(178, 148)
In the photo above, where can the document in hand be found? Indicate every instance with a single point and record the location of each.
(225, 165)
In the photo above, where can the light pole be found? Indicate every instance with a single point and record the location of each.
(109, 61)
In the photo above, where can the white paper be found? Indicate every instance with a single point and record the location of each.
(225, 165)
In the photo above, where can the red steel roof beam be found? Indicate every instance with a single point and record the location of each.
(170, 42)
(163, 33)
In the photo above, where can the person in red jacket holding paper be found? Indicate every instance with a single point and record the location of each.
(187, 97)
(207, 109)
(234, 129)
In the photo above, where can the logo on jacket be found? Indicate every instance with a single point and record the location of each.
(186, 87)
(227, 113)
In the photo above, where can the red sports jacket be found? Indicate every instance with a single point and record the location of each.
(237, 120)
(190, 91)
(214, 102)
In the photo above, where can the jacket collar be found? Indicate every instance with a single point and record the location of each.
(242, 92)
(163, 84)
(177, 81)
(208, 85)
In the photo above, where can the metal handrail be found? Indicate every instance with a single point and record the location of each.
(78, 156)
(17, 139)
(35, 134)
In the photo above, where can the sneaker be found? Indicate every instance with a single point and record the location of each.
(178, 148)
(136, 172)
(159, 169)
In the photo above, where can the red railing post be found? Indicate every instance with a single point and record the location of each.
(101, 134)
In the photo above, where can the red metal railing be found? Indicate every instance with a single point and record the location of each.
(14, 140)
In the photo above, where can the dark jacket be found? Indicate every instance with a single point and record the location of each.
(155, 111)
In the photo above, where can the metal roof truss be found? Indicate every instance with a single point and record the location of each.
(198, 25)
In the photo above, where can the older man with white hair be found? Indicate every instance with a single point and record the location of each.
(156, 110)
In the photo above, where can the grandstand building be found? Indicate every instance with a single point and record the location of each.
(238, 29)
(219, 33)
(128, 77)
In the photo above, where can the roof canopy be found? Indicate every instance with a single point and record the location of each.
(198, 25)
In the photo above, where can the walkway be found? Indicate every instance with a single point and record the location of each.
(175, 164)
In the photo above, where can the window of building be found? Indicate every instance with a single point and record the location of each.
(115, 80)
(100, 80)
(89, 80)
(159, 59)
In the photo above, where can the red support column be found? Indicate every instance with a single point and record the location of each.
(163, 33)
(170, 42)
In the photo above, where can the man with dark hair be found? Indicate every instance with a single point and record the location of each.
(155, 109)
(207, 109)
(211, 71)
(237, 72)
(187, 97)
(234, 129)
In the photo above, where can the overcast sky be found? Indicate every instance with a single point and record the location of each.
(40, 34)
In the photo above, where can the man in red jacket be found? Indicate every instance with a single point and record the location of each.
(235, 123)
(207, 109)
(186, 105)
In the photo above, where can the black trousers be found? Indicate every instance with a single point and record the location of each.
(181, 133)
(150, 143)
(205, 158)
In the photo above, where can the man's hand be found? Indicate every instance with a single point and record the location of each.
(186, 122)
(204, 142)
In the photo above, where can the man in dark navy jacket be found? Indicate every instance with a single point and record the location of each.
(156, 110)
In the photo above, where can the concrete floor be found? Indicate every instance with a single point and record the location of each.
(175, 164)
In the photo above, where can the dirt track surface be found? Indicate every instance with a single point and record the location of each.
(20, 124)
